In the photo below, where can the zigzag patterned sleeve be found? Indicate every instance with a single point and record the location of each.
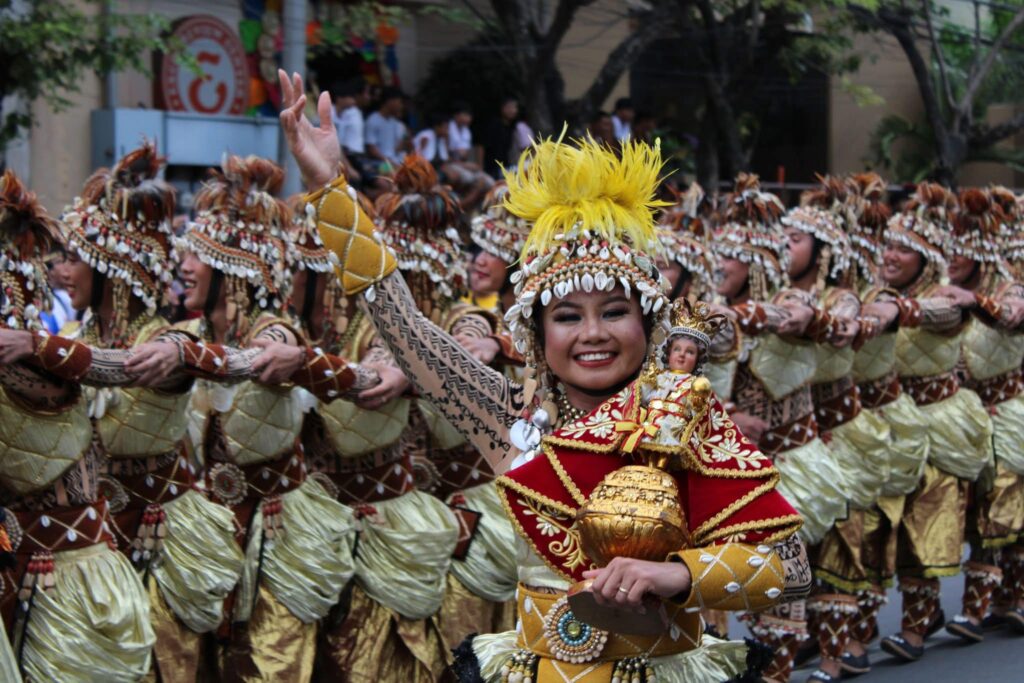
(480, 402)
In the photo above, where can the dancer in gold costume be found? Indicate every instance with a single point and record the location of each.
(928, 348)
(73, 605)
(296, 538)
(768, 377)
(593, 227)
(118, 235)
(993, 350)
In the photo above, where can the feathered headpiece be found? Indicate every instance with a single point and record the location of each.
(419, 221)
(977, 225)
(684, 233)
(867, 230)
(593, 228)
(751, 233)
(240, 231)
(121, 226)
(835, 258)
(496, 230)
(923, 225)
(27, 235)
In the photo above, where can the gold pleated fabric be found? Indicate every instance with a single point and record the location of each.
(998, 517)
(464, 613)
(1008, 436)
(177, 653)
(908, 447)
(200, 562)
(881, 535)
(932, 531)
(8, 665)
(715, 660)
(960, 431)
(839, 560)
(272, 647)
(308, 564)
(391, 633)
(862, 448)
(489, 569)
(93, 625)
(404, 562)
(813, 484)
(377, 645)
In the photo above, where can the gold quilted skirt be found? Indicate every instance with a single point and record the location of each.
(813, 484)
(94, 625)
(678, 660)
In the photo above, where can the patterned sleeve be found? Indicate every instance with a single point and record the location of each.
(480, 402)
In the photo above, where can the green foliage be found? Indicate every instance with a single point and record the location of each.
(361, 19)
(903, 149)
(46, 46)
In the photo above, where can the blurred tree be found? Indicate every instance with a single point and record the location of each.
(47, 45)
(961, 68)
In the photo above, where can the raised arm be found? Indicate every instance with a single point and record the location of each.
(479, 401)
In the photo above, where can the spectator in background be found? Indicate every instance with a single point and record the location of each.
(521, 140)
(62, 312)
(601, 129)
(499, 138)
(347, 115)
(643, 127)
(465, 177)
(460, 138)
(431, 143)
(622, 119)
(386, 136)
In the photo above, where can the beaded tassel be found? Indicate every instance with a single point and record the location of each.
(633, 670)
(521, 668)
(38, 574)
(273, 519)
(149, 539)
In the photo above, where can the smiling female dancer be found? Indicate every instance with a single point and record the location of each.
(592, 221)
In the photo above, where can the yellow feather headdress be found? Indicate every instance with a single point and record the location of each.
(593, 226)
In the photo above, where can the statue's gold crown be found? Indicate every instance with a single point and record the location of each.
(695, 321)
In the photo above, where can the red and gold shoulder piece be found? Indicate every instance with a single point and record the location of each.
(541, 498)
(604, 429)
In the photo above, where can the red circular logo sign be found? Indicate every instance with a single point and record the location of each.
(223, 85)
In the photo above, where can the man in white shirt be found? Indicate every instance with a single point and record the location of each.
(622, 118)
(431, 143)
(348, 116)
(460, 137)
(386, 138)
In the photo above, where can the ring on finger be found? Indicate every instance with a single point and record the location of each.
(623, 589)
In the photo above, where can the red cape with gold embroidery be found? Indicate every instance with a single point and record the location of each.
(726, 486)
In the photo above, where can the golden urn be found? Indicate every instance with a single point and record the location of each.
(634, 512)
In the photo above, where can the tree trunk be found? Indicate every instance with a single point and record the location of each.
(707, 153)
(734, 156)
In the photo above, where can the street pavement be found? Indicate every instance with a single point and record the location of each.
(999, 658)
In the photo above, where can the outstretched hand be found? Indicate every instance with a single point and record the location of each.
(316, 149)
